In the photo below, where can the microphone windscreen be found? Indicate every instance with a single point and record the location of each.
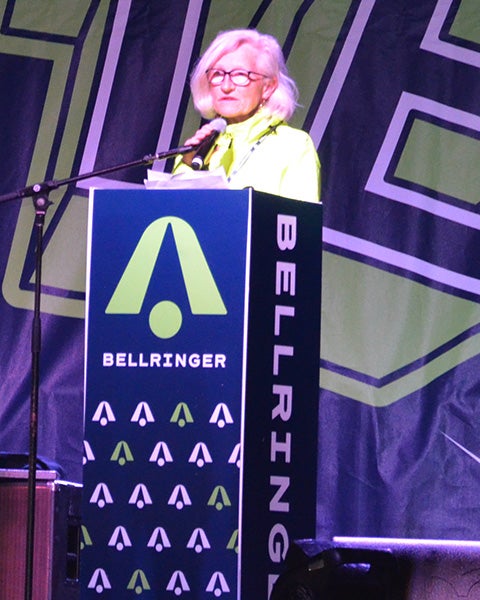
(219, 124)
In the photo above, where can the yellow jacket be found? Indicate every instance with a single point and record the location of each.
(265, 153)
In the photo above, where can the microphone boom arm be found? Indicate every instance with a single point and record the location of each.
(43, 189)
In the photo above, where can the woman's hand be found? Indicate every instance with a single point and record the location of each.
(196, 139)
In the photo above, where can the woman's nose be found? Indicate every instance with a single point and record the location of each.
(227, 84)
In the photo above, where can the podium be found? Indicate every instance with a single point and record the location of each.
(201, 391)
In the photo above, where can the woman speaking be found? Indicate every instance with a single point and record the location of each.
(242, 78)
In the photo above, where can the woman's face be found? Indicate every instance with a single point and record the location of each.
(237, 103)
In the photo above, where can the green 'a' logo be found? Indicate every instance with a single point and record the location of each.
(233, 541)
(165, 317)
(86, 540)
(219, 498)
(181, 415)
(122, 454)
(138, 582)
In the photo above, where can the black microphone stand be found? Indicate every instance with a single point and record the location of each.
(39, 193)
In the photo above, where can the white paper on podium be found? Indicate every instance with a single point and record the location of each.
(195, 179)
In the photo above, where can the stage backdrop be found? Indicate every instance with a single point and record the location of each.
(390, 92)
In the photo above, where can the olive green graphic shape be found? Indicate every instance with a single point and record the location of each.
(165, 317)
(375, 323)
(450, 163)
(138, 582)
(64, 257)
(181, 415)
(465, 22)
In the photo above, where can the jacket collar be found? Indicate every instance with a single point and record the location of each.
(253, 128)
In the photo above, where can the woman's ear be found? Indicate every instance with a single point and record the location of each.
(269, 87)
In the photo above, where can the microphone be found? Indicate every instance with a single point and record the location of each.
(219, 125)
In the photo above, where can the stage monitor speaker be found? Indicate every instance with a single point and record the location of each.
(379, 569)
(56, 538)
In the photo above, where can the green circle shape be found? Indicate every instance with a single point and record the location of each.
(165, 319)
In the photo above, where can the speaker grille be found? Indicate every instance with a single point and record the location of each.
(56, 539)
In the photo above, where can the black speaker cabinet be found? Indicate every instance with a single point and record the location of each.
(56, 539)
(379, 569)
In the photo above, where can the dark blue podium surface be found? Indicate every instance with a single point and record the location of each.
(202, 360)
